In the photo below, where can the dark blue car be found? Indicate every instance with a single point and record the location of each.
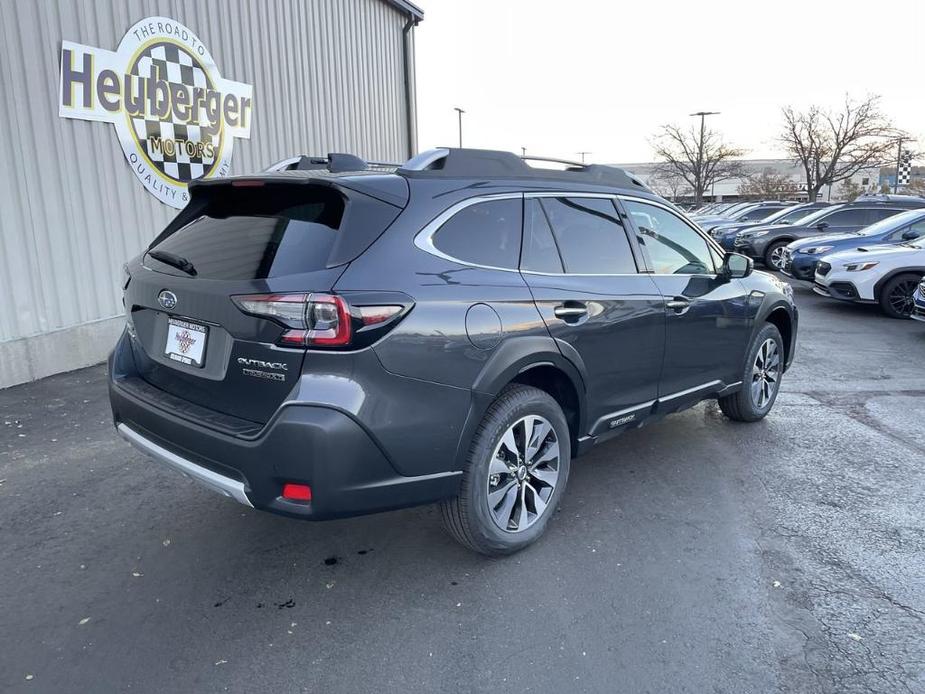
(802, 256)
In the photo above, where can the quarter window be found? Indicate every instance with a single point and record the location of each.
(674, 248)
(590, 236)
(486, 233)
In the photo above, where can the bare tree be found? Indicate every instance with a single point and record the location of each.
(833, 146)
(697, 155)
(768, 184)
(668, 183)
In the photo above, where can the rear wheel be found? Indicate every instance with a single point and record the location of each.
(517, 469)
(764, 367)
(774, 255)
(896, 295)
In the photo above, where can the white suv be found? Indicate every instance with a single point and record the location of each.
(885, 275)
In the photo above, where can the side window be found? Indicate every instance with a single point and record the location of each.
(539, 253)
(674, 248)
(486, 233)
(877, 215)
(590, 236)
(915, 227)
(847, 218)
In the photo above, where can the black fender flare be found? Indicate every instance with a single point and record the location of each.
(771, 302)
(913, 270)
(513, 357)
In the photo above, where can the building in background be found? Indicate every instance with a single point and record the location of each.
(109, 108)
(916, 182)
(733, 189)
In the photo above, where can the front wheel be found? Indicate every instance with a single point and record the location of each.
(896, 296)
(774, 255)
(516, 472)
(764, 367)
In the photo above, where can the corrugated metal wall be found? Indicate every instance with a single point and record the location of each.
(327, 76)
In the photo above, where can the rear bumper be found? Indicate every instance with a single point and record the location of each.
(324, 447)
(226, 486)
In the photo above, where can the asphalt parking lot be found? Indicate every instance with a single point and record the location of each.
(695, 555)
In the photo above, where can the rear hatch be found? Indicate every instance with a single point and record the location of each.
(277, 237)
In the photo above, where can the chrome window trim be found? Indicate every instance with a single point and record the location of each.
(424, 238)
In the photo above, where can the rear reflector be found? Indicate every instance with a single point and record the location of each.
(297, 492)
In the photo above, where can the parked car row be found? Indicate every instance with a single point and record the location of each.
(871, 250)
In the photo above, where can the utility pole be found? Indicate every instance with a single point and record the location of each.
(523, 152)
(582, 155)
(698, 194)
(899, 161)
(460, 112)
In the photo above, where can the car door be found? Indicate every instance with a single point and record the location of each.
(606, 316)
(707, 323)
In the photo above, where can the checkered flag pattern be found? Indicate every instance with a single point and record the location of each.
(905, 168)
(169, 62)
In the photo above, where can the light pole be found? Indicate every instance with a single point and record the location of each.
(698, 194)
(582, 155)
(523, 152)
(460, 112)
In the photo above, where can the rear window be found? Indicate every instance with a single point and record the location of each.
(486, 233)
(258, 233)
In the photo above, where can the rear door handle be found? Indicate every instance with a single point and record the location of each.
(571, 310)
(679, 305)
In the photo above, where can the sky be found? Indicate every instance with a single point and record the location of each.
(601, 76)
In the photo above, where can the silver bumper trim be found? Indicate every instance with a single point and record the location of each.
(225, 486)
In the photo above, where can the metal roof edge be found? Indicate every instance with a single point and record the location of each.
(407, 8)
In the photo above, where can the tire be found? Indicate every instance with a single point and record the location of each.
(896, 295)
(773, 258)
(748, 404)
(492, 468)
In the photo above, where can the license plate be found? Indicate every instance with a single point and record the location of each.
(186, 342)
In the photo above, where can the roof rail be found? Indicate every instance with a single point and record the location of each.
(487, 163)
(334, 162)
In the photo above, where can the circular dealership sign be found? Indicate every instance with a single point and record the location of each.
(176, 117)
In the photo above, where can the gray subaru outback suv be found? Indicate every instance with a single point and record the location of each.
(334, 340)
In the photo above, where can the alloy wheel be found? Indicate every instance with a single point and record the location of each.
(523, 473)
(777, 258)
(900, 297)
(766, 373)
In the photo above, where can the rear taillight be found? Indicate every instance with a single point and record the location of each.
(315, 320)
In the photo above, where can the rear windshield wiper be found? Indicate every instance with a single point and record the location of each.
(177, 261)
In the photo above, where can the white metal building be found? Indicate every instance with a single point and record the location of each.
(109, 107)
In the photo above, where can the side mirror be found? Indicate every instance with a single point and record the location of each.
(910, 234)
(822, 225)
(736, 266)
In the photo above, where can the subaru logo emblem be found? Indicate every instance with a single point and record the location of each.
(167, 299)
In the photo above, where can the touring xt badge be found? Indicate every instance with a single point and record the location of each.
(273, 375)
